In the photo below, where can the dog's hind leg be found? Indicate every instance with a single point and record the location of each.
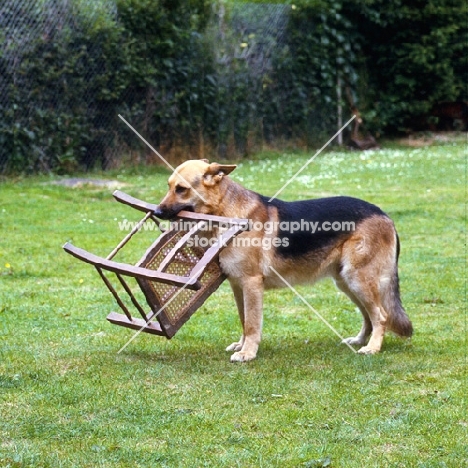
(366, 329)
(368, 269)
(252, 288)
(364, 287)
(378, 318)
(239, 297)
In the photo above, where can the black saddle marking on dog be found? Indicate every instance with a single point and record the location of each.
(331, 209)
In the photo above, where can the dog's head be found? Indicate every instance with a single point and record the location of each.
(194, 186)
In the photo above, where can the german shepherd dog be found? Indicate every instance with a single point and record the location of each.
(363, 261)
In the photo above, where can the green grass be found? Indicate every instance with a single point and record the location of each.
(67, 399)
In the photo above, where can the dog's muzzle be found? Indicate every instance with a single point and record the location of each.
(166, 212)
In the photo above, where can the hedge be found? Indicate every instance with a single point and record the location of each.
(181, 73)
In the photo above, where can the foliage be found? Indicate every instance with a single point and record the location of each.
(65, 96)
(169, 75)
(415, 56)
(184, 73)
(62, 97)
(301, 93)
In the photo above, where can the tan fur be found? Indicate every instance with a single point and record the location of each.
(362, 264)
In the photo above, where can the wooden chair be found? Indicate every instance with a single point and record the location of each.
(175, 274)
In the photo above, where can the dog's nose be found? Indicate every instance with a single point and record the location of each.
(163, 212)
(158, 212)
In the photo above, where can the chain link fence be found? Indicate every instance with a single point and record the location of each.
(38, 113)
(61, 114)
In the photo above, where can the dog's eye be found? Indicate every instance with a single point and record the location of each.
(180, 190)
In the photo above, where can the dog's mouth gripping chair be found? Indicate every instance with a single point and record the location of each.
(176, 274)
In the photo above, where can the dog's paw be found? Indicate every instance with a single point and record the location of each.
(354, 340)
(237, 346)
(242, 356)
(368, 350)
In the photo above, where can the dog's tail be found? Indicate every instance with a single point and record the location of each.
(397, 320)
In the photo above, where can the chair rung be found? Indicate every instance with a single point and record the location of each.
(136, 324)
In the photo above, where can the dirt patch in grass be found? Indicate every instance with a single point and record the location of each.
(76, 182)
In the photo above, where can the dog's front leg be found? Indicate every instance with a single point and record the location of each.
(252, 288)
(239, 297)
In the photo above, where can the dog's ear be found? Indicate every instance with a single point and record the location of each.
(205, 160)
(215, 173)
(216, 168)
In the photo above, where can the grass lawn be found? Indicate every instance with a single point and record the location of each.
(67, 399)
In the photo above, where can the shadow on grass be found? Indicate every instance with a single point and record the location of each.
(298, 351)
